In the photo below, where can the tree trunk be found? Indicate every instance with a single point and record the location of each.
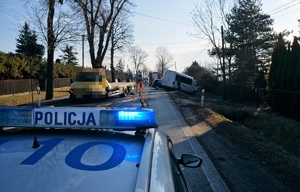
(50, 50)
(223, 67)
(49, 91)
(112, 62)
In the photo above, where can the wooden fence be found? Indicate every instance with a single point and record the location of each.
(11, 87)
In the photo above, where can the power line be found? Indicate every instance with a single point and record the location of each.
(286, 8)
(199, 53)
(281, 6)
(12, 12)
(184, 43)
(162, 19)
(287, 13)
(10, 9)
(5, 12)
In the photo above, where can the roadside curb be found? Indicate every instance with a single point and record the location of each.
(214, 178)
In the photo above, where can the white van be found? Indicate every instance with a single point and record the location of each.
(173, 80)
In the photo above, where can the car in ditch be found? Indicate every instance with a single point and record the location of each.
(156, 83)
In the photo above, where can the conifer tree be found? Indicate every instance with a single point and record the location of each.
(283, 69)
(297, 77)
(294, 63)
(120, 66)
(27, 43)
(251, 35)
(277, 61)
(69, 55)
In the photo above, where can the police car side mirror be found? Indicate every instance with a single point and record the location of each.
(191, 161)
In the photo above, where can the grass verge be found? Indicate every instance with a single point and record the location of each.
(25, 98)
(274, 139)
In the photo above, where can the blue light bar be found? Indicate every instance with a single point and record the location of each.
(127, 118)
(15, 117)
(78, 117)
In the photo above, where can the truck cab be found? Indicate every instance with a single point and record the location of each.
(92, 84)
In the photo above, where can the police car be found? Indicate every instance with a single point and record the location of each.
(87, 149)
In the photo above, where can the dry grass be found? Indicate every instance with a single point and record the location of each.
(274, 139)
(25, 98)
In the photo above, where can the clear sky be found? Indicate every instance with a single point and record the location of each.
(157, 23)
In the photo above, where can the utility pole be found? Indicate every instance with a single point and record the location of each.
(175, 67)
(82, 51)
(223, 66)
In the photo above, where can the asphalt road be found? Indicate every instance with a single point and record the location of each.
(170, 120)
(226, 166)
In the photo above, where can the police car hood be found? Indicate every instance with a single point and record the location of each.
(69, 160)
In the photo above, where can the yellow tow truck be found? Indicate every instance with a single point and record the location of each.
(92, 84)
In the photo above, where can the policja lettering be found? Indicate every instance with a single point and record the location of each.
(68, 118)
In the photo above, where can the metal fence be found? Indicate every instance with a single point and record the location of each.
(11, 87)
(286, 103)
(235, 93)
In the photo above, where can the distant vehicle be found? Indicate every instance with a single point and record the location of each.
(145, 80)
(156, 83)
(88, 149)
(152, 76)
(92, 84)
(175, 80)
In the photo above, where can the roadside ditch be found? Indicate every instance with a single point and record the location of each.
(245, 161)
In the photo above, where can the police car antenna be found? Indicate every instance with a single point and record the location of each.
(35, 141)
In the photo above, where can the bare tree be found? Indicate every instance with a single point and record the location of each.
(164, 57)
(138, 57)
(100, 17)
(209, 17)
(58, 28)
(121, 37)
(145, 71)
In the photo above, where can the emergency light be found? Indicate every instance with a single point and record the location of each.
(78, 117)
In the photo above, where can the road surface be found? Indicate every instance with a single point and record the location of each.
(226, 166)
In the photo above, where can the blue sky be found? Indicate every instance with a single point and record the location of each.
(156, 23)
